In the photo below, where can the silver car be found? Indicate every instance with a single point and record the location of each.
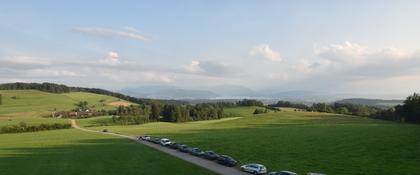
(254, 168)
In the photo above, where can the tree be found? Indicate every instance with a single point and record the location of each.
(155, 112)
(410, 110)
(342, 110)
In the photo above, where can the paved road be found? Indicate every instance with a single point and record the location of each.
(210, 165)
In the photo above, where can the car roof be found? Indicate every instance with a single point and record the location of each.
(288, 172)
(255, 164)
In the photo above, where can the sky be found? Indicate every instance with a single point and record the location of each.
(367, 48)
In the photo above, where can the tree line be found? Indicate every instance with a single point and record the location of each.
(139, 114)
(408, 112)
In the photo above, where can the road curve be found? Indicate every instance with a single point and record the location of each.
(210, 165)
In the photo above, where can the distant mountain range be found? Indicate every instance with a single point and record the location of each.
(372, 102)
(229, 92)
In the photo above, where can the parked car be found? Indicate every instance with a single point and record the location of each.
(155, 140)
(254, 168)
(210, 155)
(196, 152)
(144, 137)
(165, 142)
(282, 173)
(173, 145)
(183, 148)
(315, 173)
(226, 160)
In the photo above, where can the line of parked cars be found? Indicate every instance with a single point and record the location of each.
(225, 160)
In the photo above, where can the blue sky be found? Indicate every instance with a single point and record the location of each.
(358, 47)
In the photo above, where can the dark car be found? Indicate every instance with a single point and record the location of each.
(226, 160)
(156, 140)
(183, 148)
(196, 152)
(210, 155)
(282, 173)
(173, 145)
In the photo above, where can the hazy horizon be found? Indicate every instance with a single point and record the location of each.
(363, 49)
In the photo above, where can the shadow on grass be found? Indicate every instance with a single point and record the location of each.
(96, 156)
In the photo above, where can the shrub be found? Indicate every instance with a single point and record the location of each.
(23, 127)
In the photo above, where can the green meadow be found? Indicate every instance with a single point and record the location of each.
(300, 141)
(284, 140)
(72, 151)
(33, 101)
(30, 105)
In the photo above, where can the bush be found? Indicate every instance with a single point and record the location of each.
(260, 111)
(23, 127)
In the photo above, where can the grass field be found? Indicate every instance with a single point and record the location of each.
(75, 152)
(33, 101)
(285, 140)
(30, 105)
(300, 141)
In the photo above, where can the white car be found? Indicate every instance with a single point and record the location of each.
(165, 142)
(254, 168)
(145, 137)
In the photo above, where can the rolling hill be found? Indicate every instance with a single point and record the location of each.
(15, 101)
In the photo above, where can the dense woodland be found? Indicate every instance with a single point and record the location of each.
(138, 114)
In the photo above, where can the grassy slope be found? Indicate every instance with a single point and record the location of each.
(37, 101)
(31, 104)
(301, 141)
(76, 152)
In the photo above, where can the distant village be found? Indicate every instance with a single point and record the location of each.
(82, 111)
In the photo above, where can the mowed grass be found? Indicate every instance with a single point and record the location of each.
(300, 141)
(30, 105)
(76, 152)
(33, 101)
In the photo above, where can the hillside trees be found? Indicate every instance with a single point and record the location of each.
(410, 110)
(250, 102)
(155, 112)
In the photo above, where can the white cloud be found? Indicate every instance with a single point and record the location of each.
(113, 55)
(209, 68)
(265, 51)
(113, 58)
(193, 67)
(129, 32)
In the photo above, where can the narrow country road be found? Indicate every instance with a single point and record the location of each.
(210, 165)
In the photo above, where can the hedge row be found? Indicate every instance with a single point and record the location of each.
(23, 127)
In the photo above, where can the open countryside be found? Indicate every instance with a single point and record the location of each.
(210, 87)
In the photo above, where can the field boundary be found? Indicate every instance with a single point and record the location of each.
(209, 165)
